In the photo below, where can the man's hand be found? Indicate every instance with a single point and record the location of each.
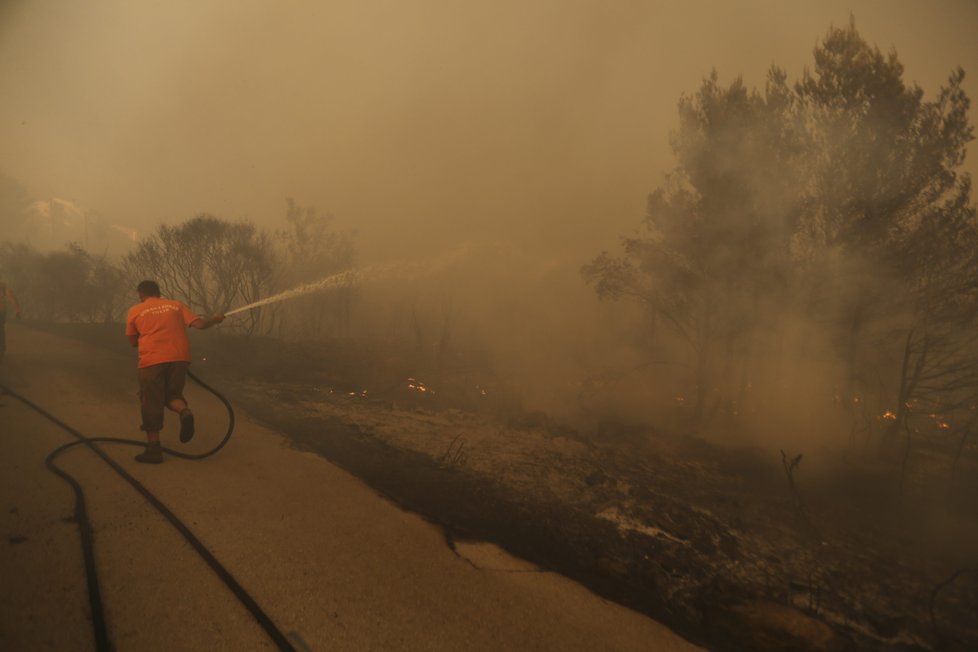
(207, 322)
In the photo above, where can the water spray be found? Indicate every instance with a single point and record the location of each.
(342, 279)
(349, 278)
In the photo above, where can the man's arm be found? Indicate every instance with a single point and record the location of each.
(206, 322)
(134, 340)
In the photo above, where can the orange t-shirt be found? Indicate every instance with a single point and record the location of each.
(162, 328)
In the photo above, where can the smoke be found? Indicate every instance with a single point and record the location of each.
(530, 131)
(501, 121)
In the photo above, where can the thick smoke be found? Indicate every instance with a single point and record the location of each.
(525, 136)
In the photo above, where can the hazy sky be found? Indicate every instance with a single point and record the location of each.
(429, 121)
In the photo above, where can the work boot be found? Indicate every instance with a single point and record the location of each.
(152, 455)
(186, 425)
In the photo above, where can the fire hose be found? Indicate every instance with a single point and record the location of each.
(102, 640)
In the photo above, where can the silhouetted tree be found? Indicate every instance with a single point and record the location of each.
(938, 380)
(885, 194)
(835, 201)
(714, 251)
(209, 263)
(68, 285)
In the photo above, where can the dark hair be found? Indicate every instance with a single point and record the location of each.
(148, 289)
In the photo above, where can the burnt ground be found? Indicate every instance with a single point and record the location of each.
(711, 539)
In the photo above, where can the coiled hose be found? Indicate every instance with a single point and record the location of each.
(102, 641)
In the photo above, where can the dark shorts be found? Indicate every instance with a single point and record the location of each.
(158, 385)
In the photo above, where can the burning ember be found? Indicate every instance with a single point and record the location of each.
(418, 386)
(888, 415)
(939, 421)
(362, 393)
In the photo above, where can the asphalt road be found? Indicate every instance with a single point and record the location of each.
(334, 564)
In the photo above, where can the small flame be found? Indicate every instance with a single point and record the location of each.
(418, 386)
(888, 415)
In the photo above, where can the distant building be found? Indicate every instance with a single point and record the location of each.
(53, 223)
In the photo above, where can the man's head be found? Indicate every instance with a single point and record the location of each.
(148, 289)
